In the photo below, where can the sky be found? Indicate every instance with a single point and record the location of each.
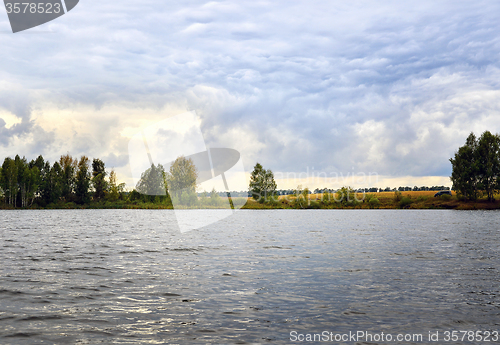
(316, 91)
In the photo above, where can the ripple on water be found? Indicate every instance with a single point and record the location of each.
(128, 276)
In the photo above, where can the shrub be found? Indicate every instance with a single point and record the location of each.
(346, 197)
(302, 198)
(405, 202)
(368, 197)
(215, 199)
(175, 200)
(445, 197)
(398, 196)
(314, 204)
(421, 198)
(374, 202)
(272, 201)
(326, 198)
(353, 203)
(134, 195)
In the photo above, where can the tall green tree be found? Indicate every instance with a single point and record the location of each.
(99, 178)
(115, 189)
(262, 185)
(53, 185)
(487, 156)
(9, 181)
(82, 185)
(465, 169)
(39, 162)
(182, 177)
(39, 177)
(476, 166)
(152, 181)
(31, 186)
(68, 167)
(50, 177)
(28, 180)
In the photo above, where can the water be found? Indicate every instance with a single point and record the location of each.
(130, 277)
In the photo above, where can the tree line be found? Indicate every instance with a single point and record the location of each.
(476, 167)
(476, 170)
(26, 183)
(69, 179)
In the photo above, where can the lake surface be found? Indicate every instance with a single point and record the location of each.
(130, 276)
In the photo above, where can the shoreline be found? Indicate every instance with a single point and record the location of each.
(384, 202)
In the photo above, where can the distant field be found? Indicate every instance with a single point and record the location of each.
(410, 194)
(386, 200)
(380, 195)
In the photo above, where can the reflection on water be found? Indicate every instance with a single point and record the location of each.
(130, 276)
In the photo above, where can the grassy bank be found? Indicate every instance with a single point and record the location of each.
(382, 200)
(121, 204)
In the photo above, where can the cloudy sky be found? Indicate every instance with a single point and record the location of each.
(334, 87)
